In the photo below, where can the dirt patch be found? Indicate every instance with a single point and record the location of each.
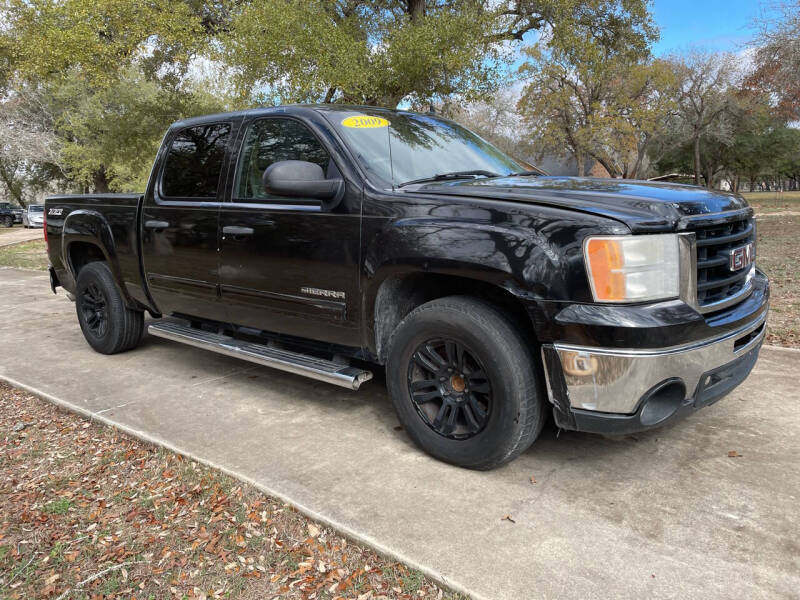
(88, 512)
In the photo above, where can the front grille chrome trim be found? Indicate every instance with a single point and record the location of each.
(716, 288)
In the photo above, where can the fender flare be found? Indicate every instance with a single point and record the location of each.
(91, 227)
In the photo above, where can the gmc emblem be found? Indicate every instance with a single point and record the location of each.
(739, 258)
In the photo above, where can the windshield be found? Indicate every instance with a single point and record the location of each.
(35, 208)
(398, 147)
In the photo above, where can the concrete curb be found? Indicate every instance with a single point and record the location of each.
(781, 348)
(308, 512)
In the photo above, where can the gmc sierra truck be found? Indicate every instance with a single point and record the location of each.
(322, 240)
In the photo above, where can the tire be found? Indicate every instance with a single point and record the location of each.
(480, 429)
(8, 221)
(108, 325)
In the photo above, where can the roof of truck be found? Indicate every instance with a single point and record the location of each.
(286, 109)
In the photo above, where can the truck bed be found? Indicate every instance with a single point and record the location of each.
(85, 227)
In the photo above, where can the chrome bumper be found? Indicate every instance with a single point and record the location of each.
(610, 380)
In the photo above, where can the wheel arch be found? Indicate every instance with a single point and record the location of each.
(86, 238)
(400, 293)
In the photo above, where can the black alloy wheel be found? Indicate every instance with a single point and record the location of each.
(94, 307)
(108, 325)
(450, 388)
(463, 382)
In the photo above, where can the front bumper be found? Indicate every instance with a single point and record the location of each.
(622, 390)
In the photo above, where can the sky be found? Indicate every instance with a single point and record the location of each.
(714, 25)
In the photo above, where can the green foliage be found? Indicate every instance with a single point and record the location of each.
(110, 136)
(591, 97)
(108, 76)
(364, 52)
(753, 144)
(48, 39)
(384, 51)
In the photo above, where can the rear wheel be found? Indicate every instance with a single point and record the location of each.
(8, 221)
(463, 383)
(107, 324)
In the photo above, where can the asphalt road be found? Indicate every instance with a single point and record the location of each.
(666, 514)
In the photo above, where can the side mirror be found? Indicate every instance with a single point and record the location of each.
(302, 179)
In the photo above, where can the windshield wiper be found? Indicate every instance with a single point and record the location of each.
(526, 174)
(452, 175)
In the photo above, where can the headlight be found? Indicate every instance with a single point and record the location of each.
(633, 268)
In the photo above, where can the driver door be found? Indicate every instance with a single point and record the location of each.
(286, 264)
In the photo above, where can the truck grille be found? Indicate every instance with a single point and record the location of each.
(716, 283)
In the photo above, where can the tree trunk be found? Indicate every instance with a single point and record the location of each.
(416, 9)
(100, 181)
(697, 169)
(580, 162)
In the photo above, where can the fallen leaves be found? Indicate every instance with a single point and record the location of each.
(508, 518)
(734, 454)
(90, 512)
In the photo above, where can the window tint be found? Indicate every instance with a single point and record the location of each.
(268, 141)
(194, 162)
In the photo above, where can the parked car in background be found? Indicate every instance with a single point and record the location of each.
(34, 216)
(17, 210)
(6, 215)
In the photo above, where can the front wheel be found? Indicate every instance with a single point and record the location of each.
(107, 324)
(463, 383)
(8, 221)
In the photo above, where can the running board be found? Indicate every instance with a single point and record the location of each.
(293, 362)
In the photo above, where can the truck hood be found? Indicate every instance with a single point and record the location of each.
(644, 206)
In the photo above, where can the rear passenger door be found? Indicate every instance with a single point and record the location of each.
(288, 265)
(180, 222)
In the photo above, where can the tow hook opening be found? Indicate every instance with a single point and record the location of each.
(661, 402)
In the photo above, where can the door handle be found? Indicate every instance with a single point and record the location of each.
(236, 230)
(156, 224)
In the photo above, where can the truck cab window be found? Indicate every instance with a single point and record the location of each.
(271, 140)
(194, 162)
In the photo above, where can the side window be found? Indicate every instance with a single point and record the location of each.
(268, 141)
(194, 162)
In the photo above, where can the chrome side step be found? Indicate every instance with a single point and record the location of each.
(293, 362)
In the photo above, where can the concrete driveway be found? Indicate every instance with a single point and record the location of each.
(667, 514)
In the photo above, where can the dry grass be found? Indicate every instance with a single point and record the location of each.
(87, 512)
(25, 255)
(768, 202)
(778, 251)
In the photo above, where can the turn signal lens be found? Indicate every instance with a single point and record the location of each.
(632, 268)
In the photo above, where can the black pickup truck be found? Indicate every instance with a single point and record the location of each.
(323, 239)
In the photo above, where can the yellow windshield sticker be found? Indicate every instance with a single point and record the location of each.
(365, 122)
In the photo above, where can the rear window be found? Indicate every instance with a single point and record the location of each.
(194, 162)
